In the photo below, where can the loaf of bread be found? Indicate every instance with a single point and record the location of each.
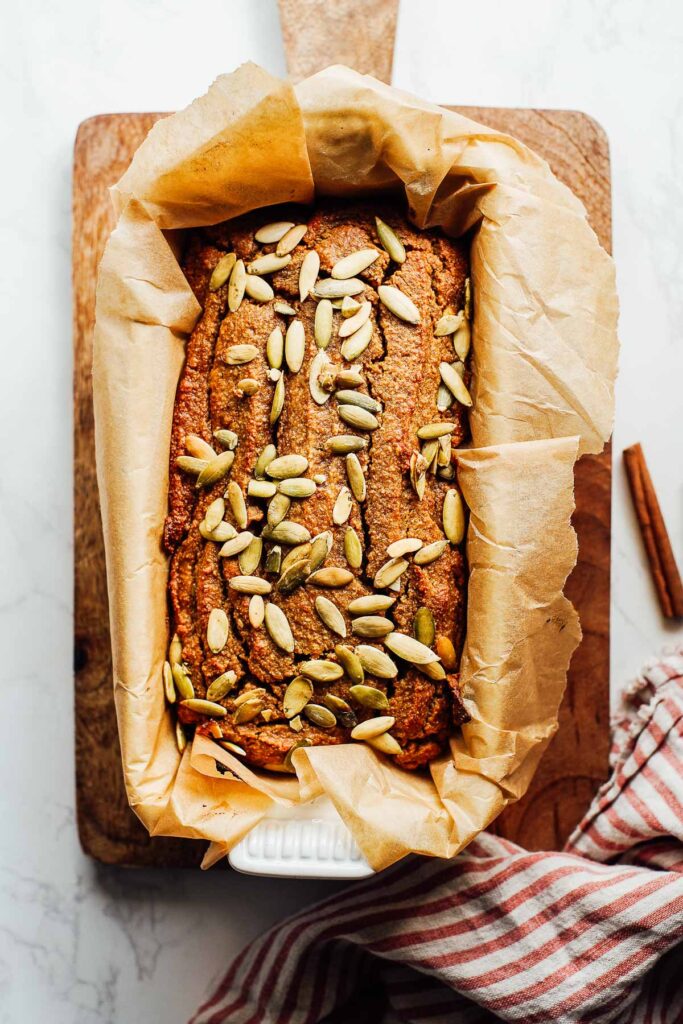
(317, 578)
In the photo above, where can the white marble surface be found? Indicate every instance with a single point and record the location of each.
(81, 944)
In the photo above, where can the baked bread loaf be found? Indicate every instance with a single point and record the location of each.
(317, 581)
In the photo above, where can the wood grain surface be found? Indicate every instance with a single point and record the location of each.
(576, 762)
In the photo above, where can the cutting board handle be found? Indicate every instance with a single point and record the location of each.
(360, 33)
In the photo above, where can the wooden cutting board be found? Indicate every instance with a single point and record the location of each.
(576, 762)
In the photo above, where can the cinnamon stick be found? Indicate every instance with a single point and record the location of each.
(665, 574)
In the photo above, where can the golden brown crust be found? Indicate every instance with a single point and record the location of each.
(401, 371)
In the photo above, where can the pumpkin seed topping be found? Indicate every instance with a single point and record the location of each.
(222, 271)
(221, 685)
(461, 341)
(370, 604)
(228, 438)
(369, 697)
(237, 504)
(329, 288)
(190, 464)
(248, 386)
(258, 289)
(261, 489)
(453, 516)
(248, 711)
(294, 576)
(353, 549)
(303, 742)
(297, 696)
(169, 686)
(319, 363)
(347, 305)
(249, 585)
(236, 286)
(376, 662)
(353, 264)
(349, 378)
(398, 303)
(342, 444)
(320, 549)
(278, 401)
(444, 398)
(342, 507)
(320, 716)
(296, 724)
(217, 630)
(175, 650)
(330, 615)
(448, 324)
(331, 576)
(277, 509)
(372, 727)
(353, 323)
(431, 431)
(454, 383)
(254, 693)
(321, 671)
(297, 487)
(250, 558)
(273, 232)
(386, 744)
(308, 274)
(287, 466)
(214, 514)
(358, 398)
(264, 460)
(295, 345)
(390, 572)
(286, 532)
(216, 469)
(390, 241)
(434, 670)
(283, 308)
(424, 627)
(323, 323)
(291, 239)
(296, 554)
(257, 611)
(180, 737)
(359, 418)
(204, 707)
(372, 626)
(232, 748)
(197, 447)
(446, 651)
(351, 663)
(236, 545)
(275, 347)
(354, 346)
(278, 628)
(405, 546)
(274, 559)
(356, 477)
(183, 683)
(430, 552)
(418, 474)
(410, 649)
(268, 264)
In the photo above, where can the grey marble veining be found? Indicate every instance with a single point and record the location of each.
(81, 944)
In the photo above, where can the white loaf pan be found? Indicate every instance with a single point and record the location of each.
(307, 841)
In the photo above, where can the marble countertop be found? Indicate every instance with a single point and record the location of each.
(81, 944)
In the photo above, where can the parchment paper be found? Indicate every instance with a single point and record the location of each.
(545, 352)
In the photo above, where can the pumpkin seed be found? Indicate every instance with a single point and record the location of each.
(356, 477)
(275, 347)
(372, 626)
(258, 289)
(273, 232)
(221, 685)
(454, 383)
(372, 727)
(297, 487)
(390, 241)
(295, 345)
(386, 744)
(342, 507)
(183, 683)
(332, 289)
(247, 387)
(369, 697)
(446, 651)
(236, 286)
(349, 378)
(228, 438)
(250, 559)
(358, 398)
(352, 323)
(444, 398)
(405, 546)
(297, 696)
(214, 514)
(283, 308)
(274, 375)
(322, 671)
(431, 431)
(222, 271)
(232, 748)
(359, 418)
(278, 401)
(189, 464)
(216, 469)
(286, 466)
(303, 742)
(353, 549)
(448, 324)
(268, 264)
(398, 303)
(330, 615)
(237, 504)
(277, 509)
(444, 458)
(335, 703)
(308, 274)
(217, 630)
(461, 341)
(430, 453)
(342, 444)
(291, 239)
(320, 549)
(296, 554)
(430, 552)
(286, 532)
(390, 572)
(261, 489)
(424, 628)
(254, 693)
(332, 576)
(320, 716)
(204, 707)
(446, 473)
(353, 264)
(370, 604)
(418, 474)
(257, 610)
(348, 306)
(453, 516)
(180, 737)
(467, 309)
(264, 460)
(169, 686)
(249, 585)
(236, 545)
(354, 346)
(434, 670)
(274, 559)
(376, 662)
(296, 724)
(351, 663)
(175, 650)
(278, 628)
(323, 323)
(410, 649)
(248, 711)
(294, 575)
(319, 363)
(197, 447)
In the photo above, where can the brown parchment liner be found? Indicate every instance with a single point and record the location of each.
(544, 360)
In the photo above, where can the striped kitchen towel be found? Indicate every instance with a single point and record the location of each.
(592, 934)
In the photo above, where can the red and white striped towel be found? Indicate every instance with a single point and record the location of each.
(592, 934)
